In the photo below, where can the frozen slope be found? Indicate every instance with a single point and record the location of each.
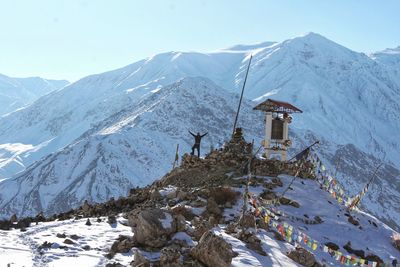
(332, 84)
(18, 92)
(57, 119)
(350, 102)
(390, 58)
(131, 148)
(346, 97)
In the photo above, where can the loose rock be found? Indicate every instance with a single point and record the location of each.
(213, 251)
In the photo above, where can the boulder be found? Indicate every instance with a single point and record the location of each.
(353, 221)
(182, 210)
(332, 246)
(286, 201)
(358, 252)
(74, 237)
(86, 206)
(140, 260)
(170, 257)
(303, 257)
(112, 219)
(212, 207)
(180, 223)
(198, 203)
(213, 251)
(69, 242)
(61, 235)
(123, 245)
(153, 227)
(396, 243)
(45, 245)
(155, 195)
(247, 221)
(252, 242)
(5, 225)
(40, 217)
(201, 226)
(13, 218)
(375, 258)
(114, 264)
(182, 195)
(23, 223)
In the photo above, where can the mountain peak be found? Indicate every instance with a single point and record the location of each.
(313, 39)
(392, 51)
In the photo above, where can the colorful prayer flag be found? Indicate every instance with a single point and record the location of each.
(315, 245)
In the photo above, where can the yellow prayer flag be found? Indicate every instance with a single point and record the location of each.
(314, 245)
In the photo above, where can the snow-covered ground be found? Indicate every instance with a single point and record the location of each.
(21, 248)
(336, 228)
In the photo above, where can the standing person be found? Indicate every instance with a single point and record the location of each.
(197, 140)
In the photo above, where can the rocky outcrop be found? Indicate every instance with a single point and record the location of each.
(303, 257)
(122, 245)
(213, 251)
(247, 221)
(140, 260)
(5, 225)
(252, 242)
(396, 244)
(153, 227)
(212, 207)
(170, 258)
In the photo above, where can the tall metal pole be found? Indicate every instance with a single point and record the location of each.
(246, 190)
(241, 96)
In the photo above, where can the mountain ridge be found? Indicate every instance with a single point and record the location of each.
(336, 88)
(19, 92)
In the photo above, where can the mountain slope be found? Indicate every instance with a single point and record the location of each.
(18, 92)
(131, 148)
(350, 102)
(334, 85)
(390, 58)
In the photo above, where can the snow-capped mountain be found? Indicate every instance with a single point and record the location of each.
(107, 132)
(18, 92)
(129, 149)
(390, 58)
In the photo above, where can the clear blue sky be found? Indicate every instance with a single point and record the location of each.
(70, 39)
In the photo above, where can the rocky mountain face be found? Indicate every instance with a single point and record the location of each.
(131, 148)
(99, 136)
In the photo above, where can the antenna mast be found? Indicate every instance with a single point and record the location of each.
(241, 96)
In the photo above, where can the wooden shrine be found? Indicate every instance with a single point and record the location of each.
(277, 120)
